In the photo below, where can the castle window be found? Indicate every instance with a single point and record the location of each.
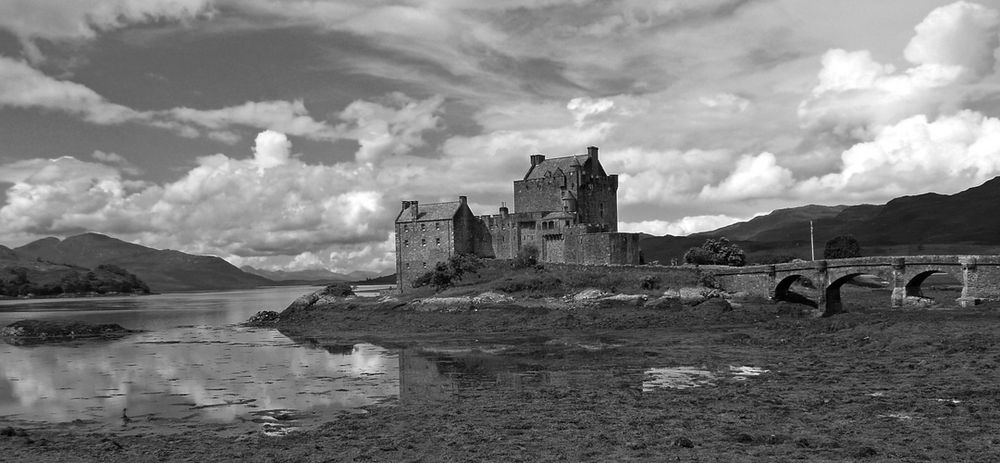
(567, 223)
(601, 205)
(423, 227)
(407, 265)
(425, 264)
(437, 241)
(406, 228)
(406, 243)
(437, 225)
(423, 242)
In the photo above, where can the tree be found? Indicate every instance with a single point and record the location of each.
(445, 274)
(716, 252)
(842, 247)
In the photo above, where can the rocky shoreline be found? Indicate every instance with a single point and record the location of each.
(37, 331)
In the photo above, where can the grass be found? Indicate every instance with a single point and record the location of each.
(559, 280)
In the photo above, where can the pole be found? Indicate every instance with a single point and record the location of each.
(812, 242)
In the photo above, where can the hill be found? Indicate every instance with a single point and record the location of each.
(929, 223)
(32, 277)
(162, 270)
(297, 276)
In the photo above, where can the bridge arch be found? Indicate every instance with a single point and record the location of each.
(833, 303)
(783, 292)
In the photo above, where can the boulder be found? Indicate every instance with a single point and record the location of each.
(491, 297)
(263, 318)
(589, 295)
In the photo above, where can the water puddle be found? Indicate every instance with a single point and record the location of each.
(166, 381)
(685, 377)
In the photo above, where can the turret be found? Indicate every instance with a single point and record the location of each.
(592, 152)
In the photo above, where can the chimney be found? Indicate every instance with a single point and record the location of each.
(537, 159)
(463, 200)
(414, 209)
(406, 204)
(503, 209)
(592, 152)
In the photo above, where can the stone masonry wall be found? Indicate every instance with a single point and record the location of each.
(421, 245)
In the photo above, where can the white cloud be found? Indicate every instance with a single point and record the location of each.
(60, 20)
(754, 177)
(393, 128)
(916, 155)
(290, 117)
(269, 205)
(953, 48)
(22, 86)
(683, 227)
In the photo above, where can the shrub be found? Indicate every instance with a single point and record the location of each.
(842, 247)
(527, 256)
(445, 274)
(339, 289)
(716, 252)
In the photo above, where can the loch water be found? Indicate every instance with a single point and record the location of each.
(193, 364)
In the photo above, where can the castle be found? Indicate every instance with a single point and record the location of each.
(565, 207)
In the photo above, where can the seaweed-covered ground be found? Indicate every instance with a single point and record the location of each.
(755, 381)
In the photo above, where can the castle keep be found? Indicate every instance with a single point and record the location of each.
(565, 207)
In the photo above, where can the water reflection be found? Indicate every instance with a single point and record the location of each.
(190, 374)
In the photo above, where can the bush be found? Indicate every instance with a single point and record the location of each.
(842, 247)
(527, 256)
(339, 289)
(716, 252)
(445, 274)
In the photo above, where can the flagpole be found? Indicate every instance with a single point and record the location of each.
(812, 242)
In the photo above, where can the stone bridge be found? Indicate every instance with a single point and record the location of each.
(980, 277)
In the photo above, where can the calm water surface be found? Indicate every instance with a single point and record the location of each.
(194, 364)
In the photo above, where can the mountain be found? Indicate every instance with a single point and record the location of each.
(162, 270)
(309, 275)
(20, 276)
(930, 223)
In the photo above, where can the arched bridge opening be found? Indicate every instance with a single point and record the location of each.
(796, 288)
(864, 289)
(930, 287)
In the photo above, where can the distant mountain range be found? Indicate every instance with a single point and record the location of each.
(21, 276)
(963, 223)
(162, 270)
(310, 275)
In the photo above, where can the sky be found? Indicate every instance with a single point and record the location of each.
(283, 134)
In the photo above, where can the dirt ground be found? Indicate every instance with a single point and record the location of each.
(574, 384)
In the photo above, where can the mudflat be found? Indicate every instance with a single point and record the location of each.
(611, 381)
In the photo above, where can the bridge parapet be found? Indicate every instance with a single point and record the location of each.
(980, 276)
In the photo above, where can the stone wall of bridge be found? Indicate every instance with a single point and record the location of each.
(980, 276)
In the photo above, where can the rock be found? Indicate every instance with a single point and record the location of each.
(445, 304)
(328, 295)
(589, 294)
(637, 299)
(715, 305)
(918, 302)
(264, 318)
(692, 295)
(59, 330)
(683, 442)
(491, 297)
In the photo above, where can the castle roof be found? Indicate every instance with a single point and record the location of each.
(555, 165)
(430, 212)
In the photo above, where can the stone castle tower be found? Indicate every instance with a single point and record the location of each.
(566, 207)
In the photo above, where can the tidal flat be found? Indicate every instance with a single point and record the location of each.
(621, 382)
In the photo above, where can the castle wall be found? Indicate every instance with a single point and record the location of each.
(597, 202)
(420, 245)
(536, 195)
